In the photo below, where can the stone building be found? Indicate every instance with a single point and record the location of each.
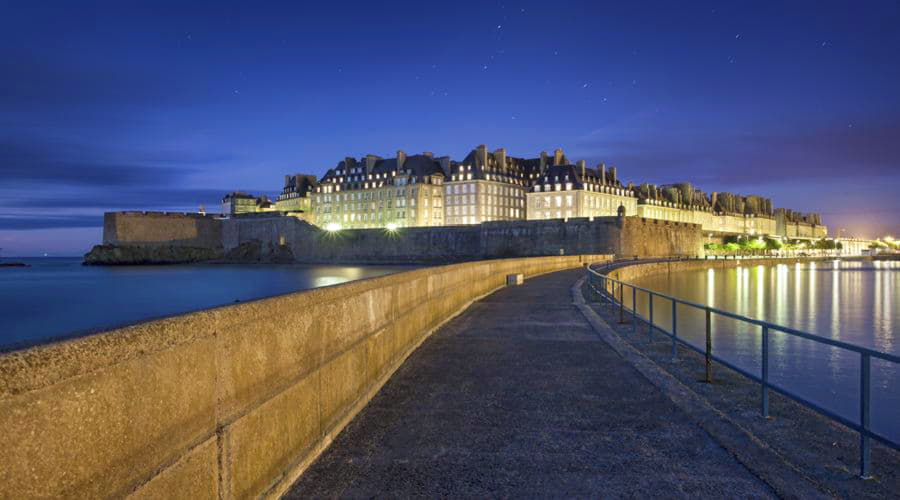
(421, 190)
(791, 224)
(487, 187)
(562, 190)
(405, 191)
(295, 197)
(680, 202)
(237, 203)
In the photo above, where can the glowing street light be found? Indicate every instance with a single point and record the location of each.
(391, 226)
(332, 227)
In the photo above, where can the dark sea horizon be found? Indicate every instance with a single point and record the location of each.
(59, 298)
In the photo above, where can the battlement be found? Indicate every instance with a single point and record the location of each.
(188, 229)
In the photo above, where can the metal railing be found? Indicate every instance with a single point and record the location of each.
(605, 289)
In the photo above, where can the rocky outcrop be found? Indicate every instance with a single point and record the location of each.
(114, 255)
(255, 252)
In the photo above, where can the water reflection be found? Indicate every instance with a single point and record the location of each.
(853, 301)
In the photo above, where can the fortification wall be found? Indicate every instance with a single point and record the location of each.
(232, 402)
(634, 271)
(162, 228)
(602, 235)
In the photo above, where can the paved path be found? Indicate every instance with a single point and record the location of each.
(519, 397)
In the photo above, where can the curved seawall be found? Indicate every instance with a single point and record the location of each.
(627, 271)
(232, 402)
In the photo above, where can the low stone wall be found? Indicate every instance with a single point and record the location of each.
(628, 272)
(232, 402)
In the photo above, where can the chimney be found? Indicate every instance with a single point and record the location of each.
(500, 157)
(613, 179)
(481, 158)
(558, 157)
(401, 159)
(601, 168)
(581, 168)
(543, 162)
(287, 180)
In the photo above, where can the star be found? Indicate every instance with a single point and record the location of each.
(499, 26)
(484, 67)
(737, 37)
(584, 86)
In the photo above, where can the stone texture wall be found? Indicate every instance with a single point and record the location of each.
(630, 272)
(602, 235)
(162, 228)
(232, 402)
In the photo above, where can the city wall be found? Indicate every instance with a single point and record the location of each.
(232, 402)
(162, 228)
(629, 236)
(629, 272)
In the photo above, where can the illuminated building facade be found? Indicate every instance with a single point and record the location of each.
(562, 190)
(373, 192)
(295, 196)
(487, 187)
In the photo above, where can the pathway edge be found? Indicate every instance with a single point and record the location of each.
(760, 459)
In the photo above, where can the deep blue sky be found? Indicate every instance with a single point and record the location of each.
(111, 106)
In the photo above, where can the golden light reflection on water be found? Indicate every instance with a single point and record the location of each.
(812, 298)
(760, 291)
(851, 300)
(836, 301)
(781, 291)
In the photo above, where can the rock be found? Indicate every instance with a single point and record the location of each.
(255, 252)
(113, 255)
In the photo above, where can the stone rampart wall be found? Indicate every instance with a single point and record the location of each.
(602, 235)
(162, 228)
(232, 402)
(631, 272)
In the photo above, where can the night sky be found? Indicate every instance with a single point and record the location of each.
(165, 107)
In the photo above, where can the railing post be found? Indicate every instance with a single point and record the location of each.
(621, 303)
(592, 283)
(708, 346)
(674, 330)
(650, 327)
(765, 371)
(865, 373)
(634, 309)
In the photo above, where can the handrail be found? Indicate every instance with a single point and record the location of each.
(607, 291)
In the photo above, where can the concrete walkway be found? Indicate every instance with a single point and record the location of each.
(519, 397)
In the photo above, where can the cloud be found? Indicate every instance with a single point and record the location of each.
(26, 159)
(867, 149)
(132, 199)
(24, 221)
(50, 177)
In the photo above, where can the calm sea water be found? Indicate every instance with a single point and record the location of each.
(58, 297)
(852, 301)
